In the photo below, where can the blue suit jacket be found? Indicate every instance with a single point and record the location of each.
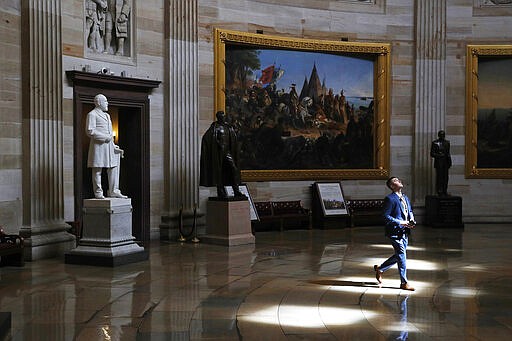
(393, 214)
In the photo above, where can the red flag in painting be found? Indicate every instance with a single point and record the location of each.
(267, 74)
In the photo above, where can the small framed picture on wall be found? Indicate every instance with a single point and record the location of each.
(331, 198)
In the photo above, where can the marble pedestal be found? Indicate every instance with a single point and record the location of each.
(443, 211)
(5, 325)
(107, 235)
(228, 222)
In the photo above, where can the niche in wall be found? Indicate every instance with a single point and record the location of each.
(129, 109)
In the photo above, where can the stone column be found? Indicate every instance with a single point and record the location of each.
(182, 110)
(44, 229)
(430, 90)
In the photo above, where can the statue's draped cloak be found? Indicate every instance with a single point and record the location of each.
(212, 172)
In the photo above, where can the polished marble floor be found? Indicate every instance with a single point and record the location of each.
(292, 285)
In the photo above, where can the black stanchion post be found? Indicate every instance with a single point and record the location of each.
(194, 226)
(181, 238)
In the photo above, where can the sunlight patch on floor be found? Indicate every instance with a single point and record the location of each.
(307, 316)
(464, 292)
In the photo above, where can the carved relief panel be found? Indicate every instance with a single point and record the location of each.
(495, 2)
(492, 7)
(361, 6)
(109, 30)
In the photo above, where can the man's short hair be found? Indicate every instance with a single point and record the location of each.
(388, 181)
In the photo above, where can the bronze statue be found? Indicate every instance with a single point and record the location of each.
(440, 151)
(219, 157)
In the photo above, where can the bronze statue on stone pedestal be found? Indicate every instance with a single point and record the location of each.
(219, 157)
(440, 151)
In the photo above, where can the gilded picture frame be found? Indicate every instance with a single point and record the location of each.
(488, 112)
(293, 133)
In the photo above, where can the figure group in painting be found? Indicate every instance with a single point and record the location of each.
(292, 129)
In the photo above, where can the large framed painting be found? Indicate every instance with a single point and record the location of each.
(305, 109)
(489, 111)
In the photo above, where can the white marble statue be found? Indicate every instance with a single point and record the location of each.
(103, 153)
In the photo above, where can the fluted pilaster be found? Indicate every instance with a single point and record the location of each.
(43, 197)
(430, 89)
(182, 162)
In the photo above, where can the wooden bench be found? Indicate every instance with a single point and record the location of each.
(365, 212)
(11, 249)
(283, 211)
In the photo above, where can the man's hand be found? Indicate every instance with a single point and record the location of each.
(410, 224)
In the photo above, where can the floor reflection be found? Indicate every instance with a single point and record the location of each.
(297, 284)
(399, 331)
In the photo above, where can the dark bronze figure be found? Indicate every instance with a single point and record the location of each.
(219, 157)
(440, 151)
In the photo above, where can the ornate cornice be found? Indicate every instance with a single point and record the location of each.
(110, 81)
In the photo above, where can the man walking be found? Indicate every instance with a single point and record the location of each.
(398, 220)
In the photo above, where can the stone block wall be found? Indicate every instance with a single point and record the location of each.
(10, 116)
(329, 20)
(392, 21)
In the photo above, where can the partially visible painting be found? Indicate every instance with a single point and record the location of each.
(305, 109)
(489, 111)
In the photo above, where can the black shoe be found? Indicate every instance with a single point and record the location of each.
(378, 273)
(221, 192)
